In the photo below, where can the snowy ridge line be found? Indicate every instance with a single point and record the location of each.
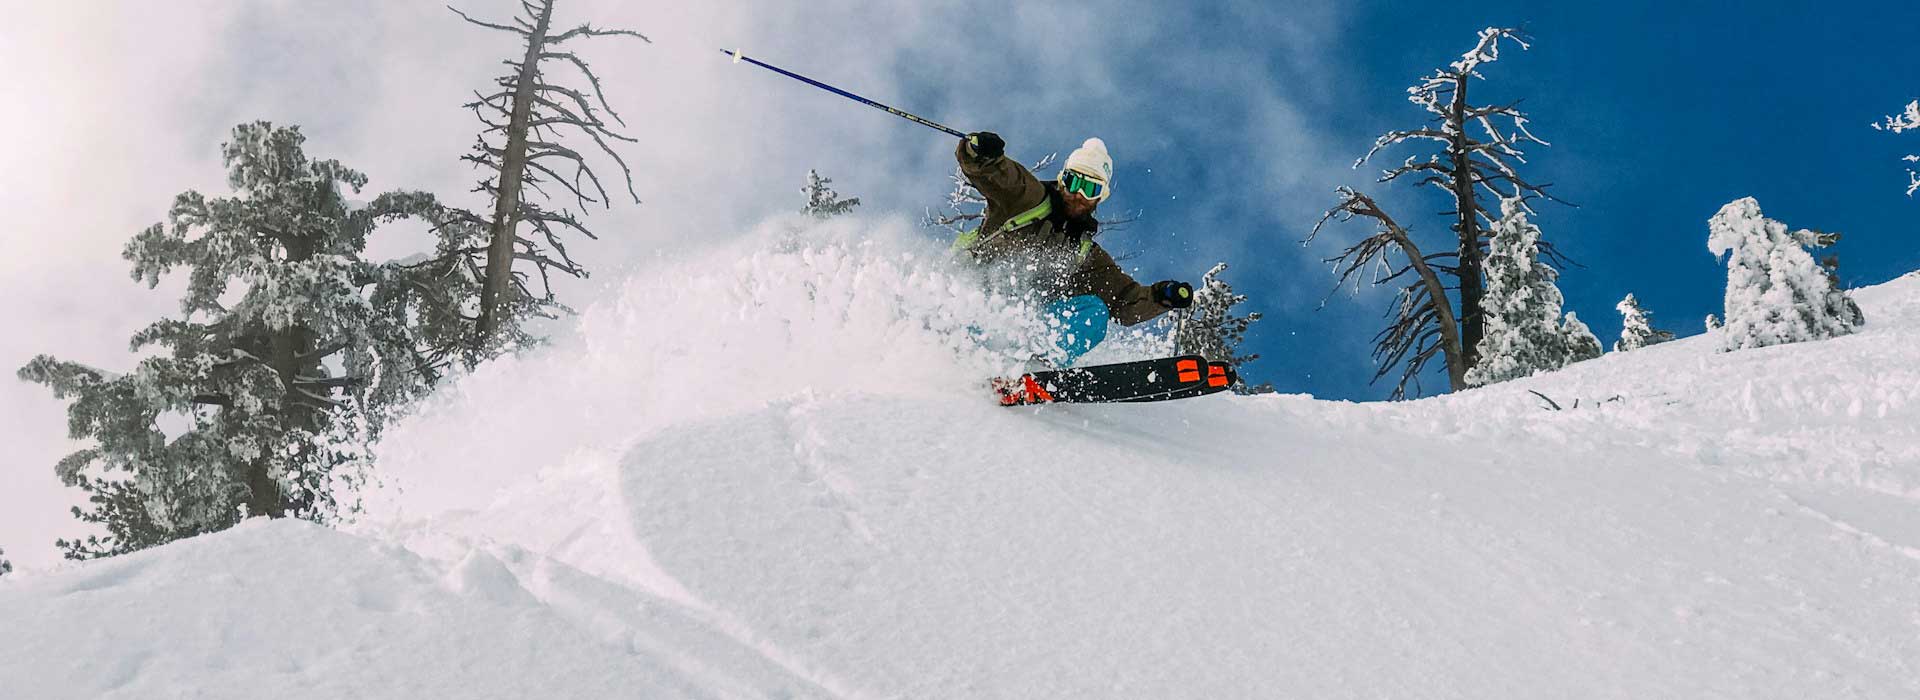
(1843, 411)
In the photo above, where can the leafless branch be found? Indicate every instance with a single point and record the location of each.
(488, 25)
(591, 78)
(1423, 321)
(584, 30)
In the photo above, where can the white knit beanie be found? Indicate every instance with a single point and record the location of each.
(1091, 159)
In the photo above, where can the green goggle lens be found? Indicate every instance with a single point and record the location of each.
(1077, 183)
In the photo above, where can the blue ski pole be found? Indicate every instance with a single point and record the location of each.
(737, 57)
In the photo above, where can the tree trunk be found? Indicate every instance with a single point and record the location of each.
(1472, 289)
(506, 207)
(285, 347)
(1450, 342)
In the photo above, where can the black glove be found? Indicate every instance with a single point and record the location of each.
(986, 145)
(1173, 294)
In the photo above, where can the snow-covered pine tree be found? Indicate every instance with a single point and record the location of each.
(1636, 329)
(1210, 328)
(822, 201)
(1776, 293)
(1582, 344)
(1468, 167)
(1524, 331)
(520, 147)
(288, 359)
(6, 567)
(1713, 323)
(1838, 302)
(1910, 119)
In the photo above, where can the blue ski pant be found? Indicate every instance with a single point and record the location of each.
(1076, 325)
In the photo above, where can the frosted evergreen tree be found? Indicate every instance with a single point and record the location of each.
(1524, 332)
(1837, 300)
(1210, 328)
(1713, 323)
(1776, 293)
(822, 201)
(6, 567)
(528, 116)
(1582, 344)
(291, 352)
(1910, 119)
(1636, 327)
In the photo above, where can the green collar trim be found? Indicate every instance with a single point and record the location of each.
(967, 240)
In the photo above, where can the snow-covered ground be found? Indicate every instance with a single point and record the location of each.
(770, 471)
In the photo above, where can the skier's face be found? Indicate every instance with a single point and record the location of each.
(1077, 205)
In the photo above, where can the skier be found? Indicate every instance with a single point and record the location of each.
(1039, 236)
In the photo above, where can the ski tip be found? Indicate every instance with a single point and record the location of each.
(1025, 391)
(1219, 374)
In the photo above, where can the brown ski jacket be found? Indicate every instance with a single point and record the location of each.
(1026, 235)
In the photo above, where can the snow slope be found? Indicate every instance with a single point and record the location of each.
(287, 609)
(769, 471)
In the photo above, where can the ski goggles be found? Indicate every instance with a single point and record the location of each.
(1076, 182)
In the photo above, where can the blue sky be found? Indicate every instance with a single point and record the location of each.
(1658, 115)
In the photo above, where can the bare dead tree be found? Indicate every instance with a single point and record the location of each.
(520, 147)
(1468, 166)
(1423, 322)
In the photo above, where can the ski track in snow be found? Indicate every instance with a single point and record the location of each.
(787, 481)
(816, 470)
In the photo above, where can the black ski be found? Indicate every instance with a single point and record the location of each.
(1145, 380)
(1220, 378)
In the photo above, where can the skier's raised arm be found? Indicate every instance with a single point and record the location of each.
(1006, 184)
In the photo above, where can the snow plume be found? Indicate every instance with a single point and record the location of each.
(848, 305)
(1776, 294)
